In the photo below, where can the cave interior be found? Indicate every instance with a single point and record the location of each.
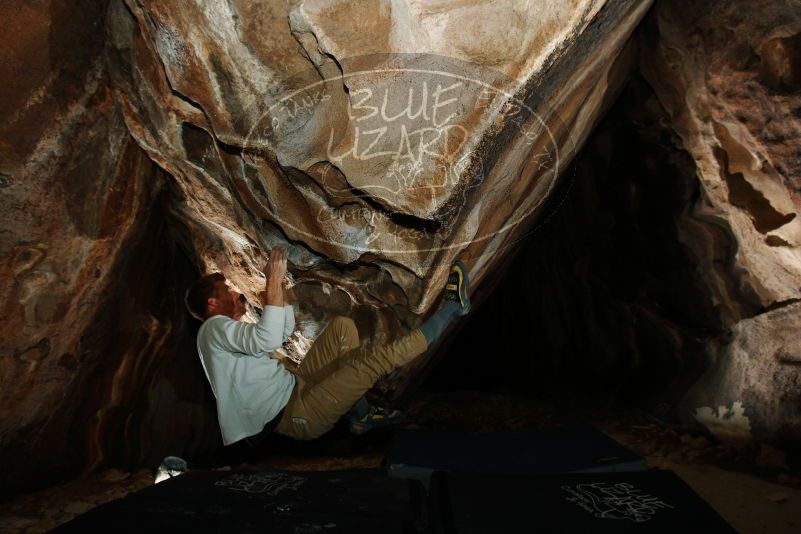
(602, 311)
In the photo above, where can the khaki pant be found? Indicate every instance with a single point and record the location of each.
(336, 373)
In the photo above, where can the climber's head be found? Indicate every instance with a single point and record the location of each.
(211, 295)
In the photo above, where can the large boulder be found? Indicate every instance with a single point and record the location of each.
(379, 141)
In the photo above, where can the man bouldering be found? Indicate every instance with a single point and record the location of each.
(257, 394)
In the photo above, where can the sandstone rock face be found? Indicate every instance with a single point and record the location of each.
(378, 140)
(752, 390)
(728, 73)
(80, 347)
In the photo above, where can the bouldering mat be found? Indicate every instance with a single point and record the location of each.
(259, 501)
(566, 449)
(647, 501)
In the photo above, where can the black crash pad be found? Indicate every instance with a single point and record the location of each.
(265, 501)
(647, 501)
(566, 449)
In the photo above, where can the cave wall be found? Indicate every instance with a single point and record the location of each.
(729, 75)
(90, 270)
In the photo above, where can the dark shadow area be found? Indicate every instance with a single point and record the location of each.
(602, 301)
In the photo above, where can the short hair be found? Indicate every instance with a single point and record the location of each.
(199, 293)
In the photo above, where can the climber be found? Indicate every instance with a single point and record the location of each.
(257, 394)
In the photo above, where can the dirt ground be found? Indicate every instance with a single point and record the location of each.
(751, 489)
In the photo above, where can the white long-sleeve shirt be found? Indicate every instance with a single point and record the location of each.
(250, 385)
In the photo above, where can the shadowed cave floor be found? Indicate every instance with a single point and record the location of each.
(745, 486)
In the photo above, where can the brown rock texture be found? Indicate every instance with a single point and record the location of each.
(84, 375)
(728, 74)
(378, 140)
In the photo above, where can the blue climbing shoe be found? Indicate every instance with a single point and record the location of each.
(457, 287)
